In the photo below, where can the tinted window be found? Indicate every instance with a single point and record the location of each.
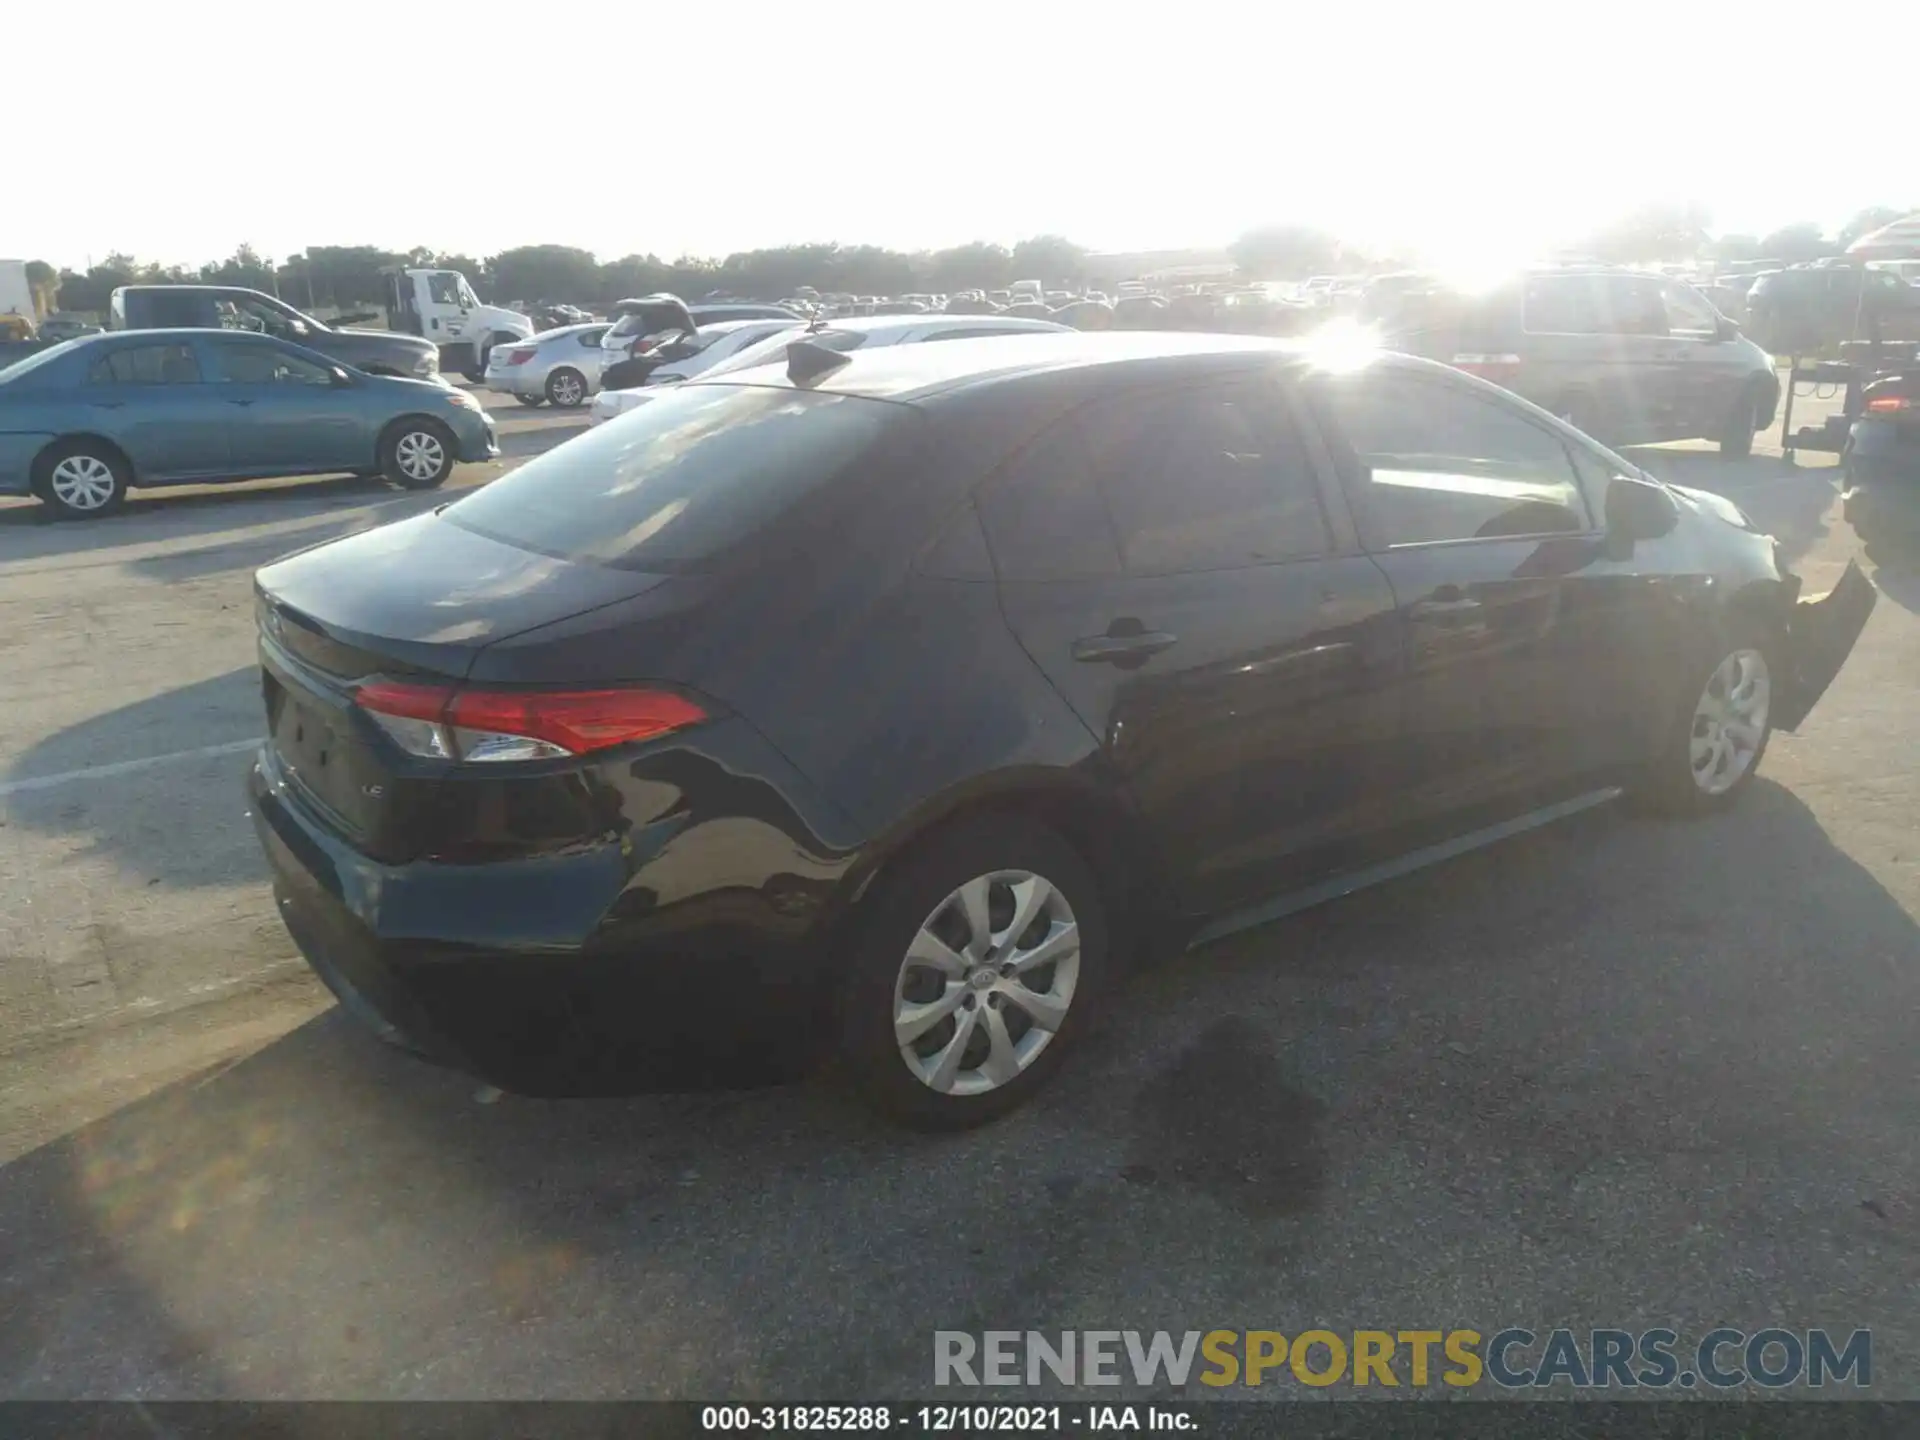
(1688, 311)
(1562, 305)
(146, 365)
(1631, 305)
(677, 482)
(1436, 462)
(1043, 514)
(162, 309)
(1204, 480)
(264, 365)
(591, 338)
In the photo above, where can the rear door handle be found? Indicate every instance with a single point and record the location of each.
(1094, 649)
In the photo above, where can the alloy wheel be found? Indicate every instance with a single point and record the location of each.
(420, 455)
(568, 389)
(83, 482)
(986, 982)
(1730, 721)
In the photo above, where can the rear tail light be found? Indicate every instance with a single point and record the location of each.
(1497, 368)
(521, 354)
(1889, 404)
(442, 722)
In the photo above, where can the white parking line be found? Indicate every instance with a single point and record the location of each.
(122, 767)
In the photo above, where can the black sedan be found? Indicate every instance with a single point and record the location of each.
(889, 705)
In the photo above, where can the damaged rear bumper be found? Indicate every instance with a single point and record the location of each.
(1821, 631)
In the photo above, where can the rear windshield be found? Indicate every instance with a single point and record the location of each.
(678, 482)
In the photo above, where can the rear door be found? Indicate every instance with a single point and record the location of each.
(286, 413)
(1525, 642)
(1176, 564)
(153, 400)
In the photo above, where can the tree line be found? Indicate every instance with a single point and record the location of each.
(347, 277)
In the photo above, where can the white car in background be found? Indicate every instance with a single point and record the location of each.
(558, 367)
(692, 355)
(853, 333)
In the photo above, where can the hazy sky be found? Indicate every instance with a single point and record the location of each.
(1474, 132)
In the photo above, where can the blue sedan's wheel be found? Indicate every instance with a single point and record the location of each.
(81, 479)
(417, 453)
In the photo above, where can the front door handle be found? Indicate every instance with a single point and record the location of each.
(1134, 646)
(239, 402)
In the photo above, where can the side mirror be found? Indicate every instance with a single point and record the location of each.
(299, 328)
(1638, 510)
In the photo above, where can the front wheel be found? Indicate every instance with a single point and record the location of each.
(417, 454)
(81, 480)
(975, 964)
(1715, 749)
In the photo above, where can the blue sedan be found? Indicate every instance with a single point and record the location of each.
(83, 421)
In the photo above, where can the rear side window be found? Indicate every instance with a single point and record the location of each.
(1043, 514)
(1208, 479)
(1158, 484)
(167, 308)
(146, 365)
(676, 483)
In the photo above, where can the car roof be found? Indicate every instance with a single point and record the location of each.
(560, 331)
(912, 373)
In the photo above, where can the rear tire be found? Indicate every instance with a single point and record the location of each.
(417, 453)
(1720, 732)
(81, 479)
(941, 945)
(567, 388)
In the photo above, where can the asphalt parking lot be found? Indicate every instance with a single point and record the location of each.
(1615, 1073)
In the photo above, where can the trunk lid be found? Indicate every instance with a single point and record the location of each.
(414, 600)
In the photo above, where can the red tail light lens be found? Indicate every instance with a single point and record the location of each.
(1889, 404)
(443, 722)
(521, 354)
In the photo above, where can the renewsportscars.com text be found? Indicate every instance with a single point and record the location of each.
(1513, 1358)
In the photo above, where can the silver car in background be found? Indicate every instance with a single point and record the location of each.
(854, 333)
(556, 367)
(691, 355)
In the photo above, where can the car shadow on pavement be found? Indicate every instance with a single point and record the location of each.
(160, 831)
(1610, 1060)
(1896, 561)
